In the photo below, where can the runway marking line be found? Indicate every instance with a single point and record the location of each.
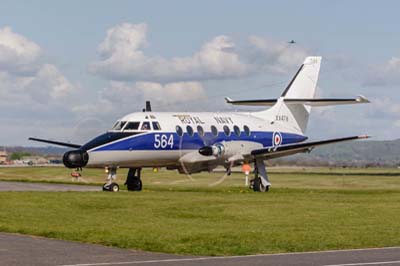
(245, 256)
(365, 263)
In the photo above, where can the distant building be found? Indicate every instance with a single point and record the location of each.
(3, 157)
(33, 160)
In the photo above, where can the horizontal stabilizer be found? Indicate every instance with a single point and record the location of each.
(258, 102)
(284, 150)
(293, 101)
(70, 145)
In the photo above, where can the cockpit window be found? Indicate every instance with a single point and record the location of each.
(119, 125)
(145, 126)
(156, 125)
(132, 126)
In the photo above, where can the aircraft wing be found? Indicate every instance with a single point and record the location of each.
(70, 145)
(289, 149)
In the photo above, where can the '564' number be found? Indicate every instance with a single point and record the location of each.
(163, 141)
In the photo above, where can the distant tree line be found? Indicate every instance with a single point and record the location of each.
(19, 155)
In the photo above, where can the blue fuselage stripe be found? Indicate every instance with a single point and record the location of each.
(147, 141)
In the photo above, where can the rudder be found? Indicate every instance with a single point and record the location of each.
(302, 86)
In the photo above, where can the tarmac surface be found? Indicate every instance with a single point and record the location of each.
(26, 186)
(18, 250)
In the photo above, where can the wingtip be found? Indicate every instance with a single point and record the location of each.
(228, 100)
(362, 99)
(364, 137)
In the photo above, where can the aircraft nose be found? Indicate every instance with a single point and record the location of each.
(75, 159)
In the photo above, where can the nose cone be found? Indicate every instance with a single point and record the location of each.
(75, 159)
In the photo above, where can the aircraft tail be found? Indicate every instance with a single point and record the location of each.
(292, 109)
(302, 87)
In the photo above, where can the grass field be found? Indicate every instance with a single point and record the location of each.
(307, 209)
(309, 178)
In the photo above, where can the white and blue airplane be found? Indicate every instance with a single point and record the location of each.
(194, 142)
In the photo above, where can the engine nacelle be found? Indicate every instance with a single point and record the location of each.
(217, 150)
(230, 150)
(75, 159)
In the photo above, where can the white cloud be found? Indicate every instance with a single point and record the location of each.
(385, 74)
(53, 82)
(24, 76)
(17, 54)
(171, 92)
(122, 58)
(385, 107)
(274, 56)
(125, 97)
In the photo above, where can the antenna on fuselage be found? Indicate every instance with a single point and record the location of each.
(148, 106)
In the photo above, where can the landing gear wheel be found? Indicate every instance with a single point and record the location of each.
(258, 185)
(135, 185)
(113, 187)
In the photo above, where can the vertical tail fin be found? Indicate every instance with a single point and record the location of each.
(302, 86)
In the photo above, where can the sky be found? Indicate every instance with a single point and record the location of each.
(69, 69)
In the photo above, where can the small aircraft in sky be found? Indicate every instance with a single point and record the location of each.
(191, 142)
(292, 42)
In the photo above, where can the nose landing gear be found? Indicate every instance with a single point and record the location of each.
(133, 180)
(110, 185)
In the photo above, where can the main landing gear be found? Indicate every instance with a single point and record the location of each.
(133, 180)
(260, 183)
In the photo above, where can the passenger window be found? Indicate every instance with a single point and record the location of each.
(179, 131)
(145, 126)
(237, 130)
(156, 126)
(247, 131)
(200, 130)
(214, 131)
(189, 130)
(132, 126)
(227, 131)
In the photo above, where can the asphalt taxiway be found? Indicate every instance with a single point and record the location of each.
(18, 250)
(26, 186)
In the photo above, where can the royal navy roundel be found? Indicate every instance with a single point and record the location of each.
(276, 139)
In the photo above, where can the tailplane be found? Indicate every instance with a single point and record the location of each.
(292, 109)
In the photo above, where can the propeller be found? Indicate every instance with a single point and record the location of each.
(209, 148)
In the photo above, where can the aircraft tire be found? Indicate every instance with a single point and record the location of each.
(135, 185)
(105, 187)
(114, 187)
(258, 185)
